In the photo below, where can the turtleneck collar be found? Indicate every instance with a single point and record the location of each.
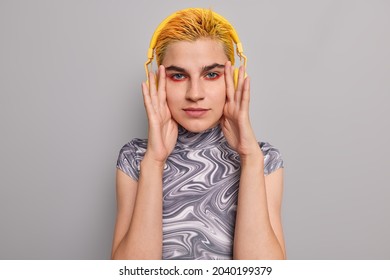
(199, 140)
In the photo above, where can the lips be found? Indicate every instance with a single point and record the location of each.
(195, 112)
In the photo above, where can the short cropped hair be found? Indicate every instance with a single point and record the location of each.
(193, 24)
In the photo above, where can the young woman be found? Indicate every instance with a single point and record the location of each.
(200, 186)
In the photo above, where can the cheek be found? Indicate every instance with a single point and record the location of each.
(175, 92)
(222, 102)
(173, 89)
(172, 99)
(220, 97)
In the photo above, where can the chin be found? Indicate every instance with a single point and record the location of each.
(196, 126)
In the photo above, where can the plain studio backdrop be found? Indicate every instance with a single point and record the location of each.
(70, 98)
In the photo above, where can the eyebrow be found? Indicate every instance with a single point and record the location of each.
(212, 66)
(204, 68)
(175, 68)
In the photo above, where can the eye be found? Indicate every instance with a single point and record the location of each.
(177, 77)
(212, 76)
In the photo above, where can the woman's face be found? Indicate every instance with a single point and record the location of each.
(195, 87)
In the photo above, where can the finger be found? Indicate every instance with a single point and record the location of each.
(153, 90)
(238, 93)
(229, 81)
(147, 100)
(245, 95)
(162, 94)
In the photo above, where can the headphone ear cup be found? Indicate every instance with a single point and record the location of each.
(148, 83)
(235, 77)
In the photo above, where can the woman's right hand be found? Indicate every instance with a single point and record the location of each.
(163, 130)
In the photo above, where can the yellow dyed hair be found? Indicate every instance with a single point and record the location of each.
(191, 25)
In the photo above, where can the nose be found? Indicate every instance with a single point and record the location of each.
(194, 91)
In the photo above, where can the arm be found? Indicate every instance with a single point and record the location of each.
(258, 230)
(138, 230)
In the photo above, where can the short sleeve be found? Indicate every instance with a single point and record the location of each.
(272, 158)
(130, 157)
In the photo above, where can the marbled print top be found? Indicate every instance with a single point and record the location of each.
(200, 188)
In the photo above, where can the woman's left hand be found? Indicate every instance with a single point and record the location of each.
(235, 121)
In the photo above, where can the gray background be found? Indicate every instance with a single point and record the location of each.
(70, 98)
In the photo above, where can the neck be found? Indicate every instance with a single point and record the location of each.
(200, 140)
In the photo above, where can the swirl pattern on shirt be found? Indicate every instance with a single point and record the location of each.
(200, 190)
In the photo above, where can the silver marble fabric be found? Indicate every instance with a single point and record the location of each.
(200, 189)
